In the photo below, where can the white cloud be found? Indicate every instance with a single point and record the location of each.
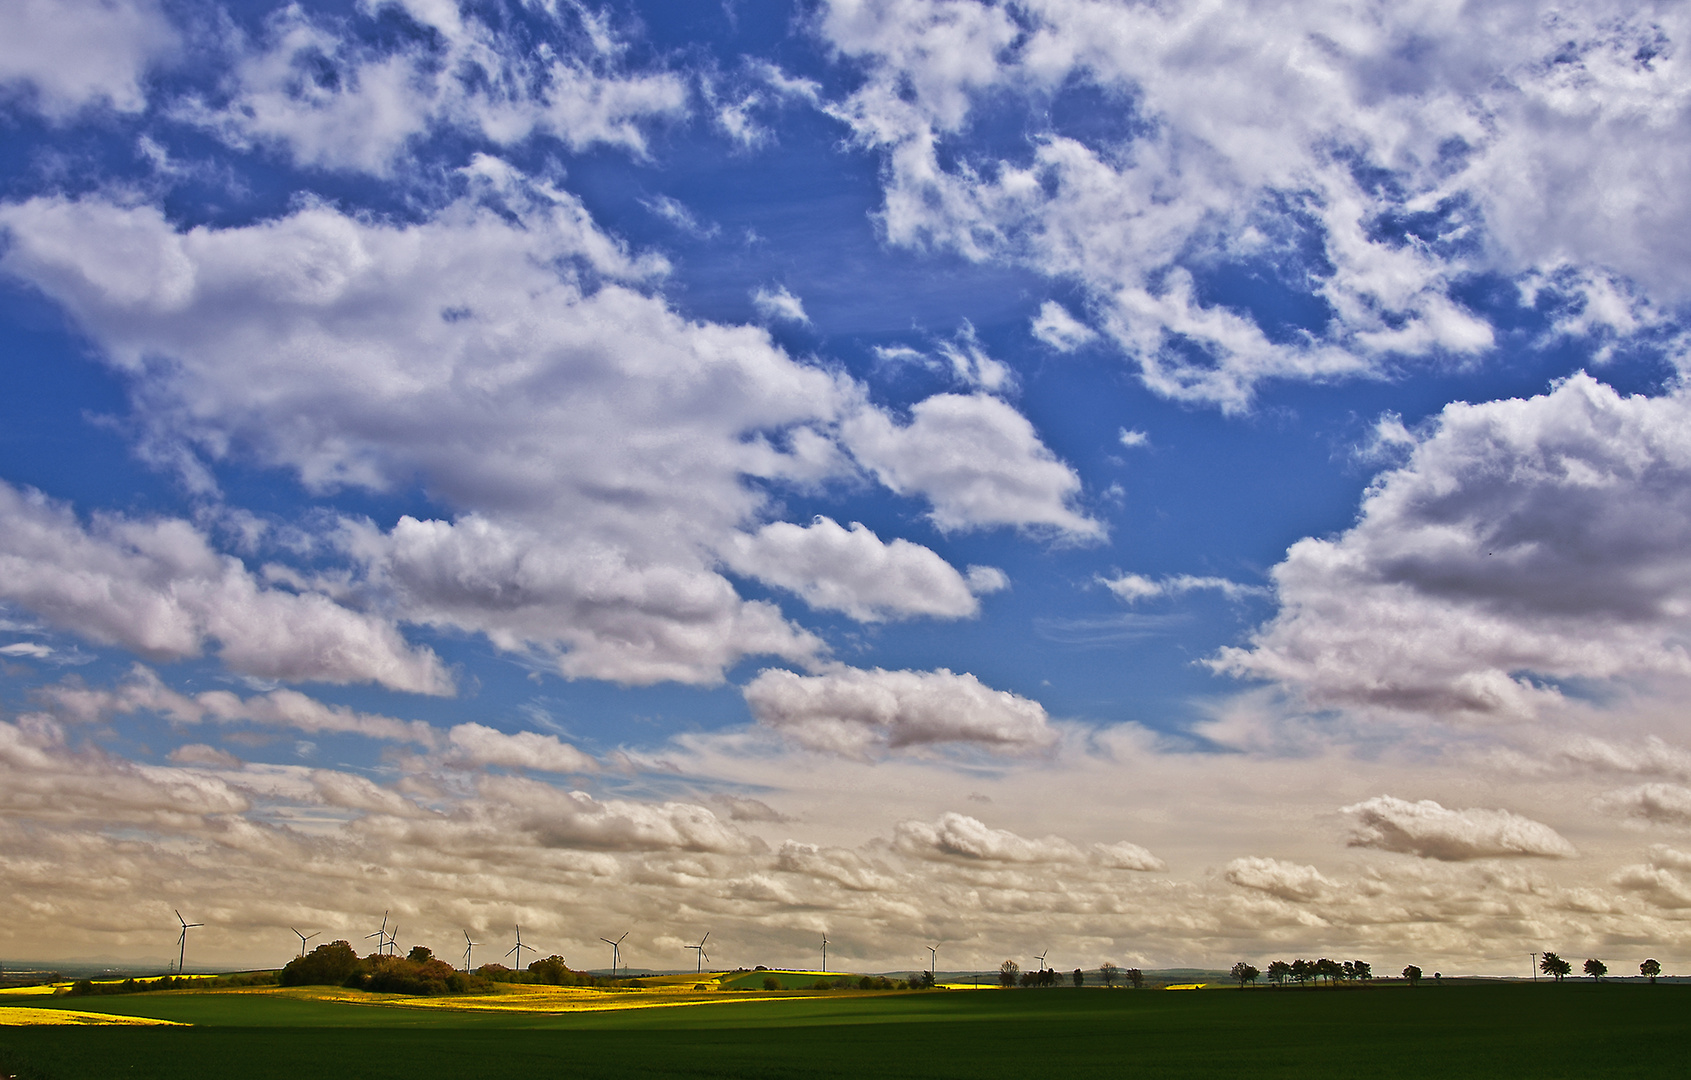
(1060, 330)
(1136, 587)
(1297, 137)
(600, 451)
(68, 54)
(779, 305)
(576, 819)
(143, 691)
(1287, 880)
(854, 571)
(853, 711)
(156, 587)
(676, 213)
(1659, 804)
(977, 460)
(32, 649)
(478, 744)
(1133, 439)
(1523, 540)
(201, 754)
(959, 836)
(1427, 829)
(310, 87)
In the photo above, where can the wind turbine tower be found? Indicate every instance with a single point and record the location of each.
(933, 960)
(519, 946)
(703, 956)
(182, 942)
(824, 954)
(468, 945)
(616, 952)
(303, 938)
(381, 935)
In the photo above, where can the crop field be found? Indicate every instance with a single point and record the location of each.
(1457, 1030)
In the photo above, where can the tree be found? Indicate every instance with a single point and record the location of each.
(1008, 973)
(329, 964)
(1302, 971)
(1596, 969)
(1413, 974)
(1361, 970)
(1554, 966)
(1278, 972)
(1079, 977)
(1650, 969)
(1135, 978)
(1244, 973)
(1109, 973)
(419, 955)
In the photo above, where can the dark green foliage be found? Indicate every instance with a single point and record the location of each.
(770, 982)
(331, 964)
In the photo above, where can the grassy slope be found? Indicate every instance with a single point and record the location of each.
(1456, 1031)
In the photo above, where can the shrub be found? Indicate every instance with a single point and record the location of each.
(770, 982)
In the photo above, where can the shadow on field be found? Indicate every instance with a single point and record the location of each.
(1541, 1031)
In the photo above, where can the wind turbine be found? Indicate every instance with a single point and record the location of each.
(824, 954)
(616, 951)
(393, 941)
(381, 935)
(933, 960)
(519, 946)
(1041, 959)
(182, 942)
(703, 956)
(303, 939)
(468, 945)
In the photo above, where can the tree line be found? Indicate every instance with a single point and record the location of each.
(1303, 972)
(1011, 974)
(1558, 968)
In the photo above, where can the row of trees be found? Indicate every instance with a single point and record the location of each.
(1010, 973)
(1305, 971)
(1558, 968)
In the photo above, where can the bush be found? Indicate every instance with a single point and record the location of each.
(326, 965)
(770, 982)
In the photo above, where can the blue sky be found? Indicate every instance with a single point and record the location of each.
(1213, 477)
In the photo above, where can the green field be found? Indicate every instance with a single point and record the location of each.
(1473, 1030)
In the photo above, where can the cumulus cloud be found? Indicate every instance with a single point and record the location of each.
(1431, 831)
(779, 305)
(855, 712)
(64, 55)
(201, 754)
(143, 691)
(158, 588)
(331, 99)
(1287, 880)
(478, 744)
(576, 819)
(959, 836)
(852, 570)
(1658, 804)
(1298, 140)
(1523, 541)
(601, 453)
(977, 461)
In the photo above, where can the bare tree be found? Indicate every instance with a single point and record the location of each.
(1008, 973)
(1596, 969)
(1136, 978)
(1109, 973)
(1650, 969)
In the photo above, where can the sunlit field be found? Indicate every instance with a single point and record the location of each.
(1456, 1030)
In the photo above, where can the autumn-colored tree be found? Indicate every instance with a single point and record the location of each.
(330, 964)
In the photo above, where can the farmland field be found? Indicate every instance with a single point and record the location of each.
(1461, 1030)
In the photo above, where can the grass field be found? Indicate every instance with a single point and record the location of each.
(1473, 1030)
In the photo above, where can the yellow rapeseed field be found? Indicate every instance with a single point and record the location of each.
(23, 1015)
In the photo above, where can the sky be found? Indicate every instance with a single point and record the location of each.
(1167, 484)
